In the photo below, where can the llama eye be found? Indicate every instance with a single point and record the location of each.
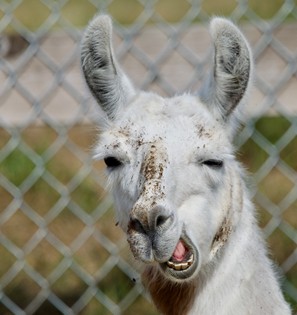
(212, 163)
(112, 162)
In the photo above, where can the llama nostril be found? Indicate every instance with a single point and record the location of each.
(136, 225)
(161, 217)
(161, 220)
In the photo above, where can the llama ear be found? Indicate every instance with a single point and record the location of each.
(109, 85)
(231, 75)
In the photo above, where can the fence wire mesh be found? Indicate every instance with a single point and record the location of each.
(60, 252)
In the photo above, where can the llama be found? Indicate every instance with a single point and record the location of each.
(179, 193)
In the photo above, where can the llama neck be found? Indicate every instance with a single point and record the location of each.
(241, 279)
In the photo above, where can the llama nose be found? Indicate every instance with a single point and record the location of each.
(159, 218)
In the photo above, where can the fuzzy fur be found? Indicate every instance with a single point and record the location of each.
(177, 178)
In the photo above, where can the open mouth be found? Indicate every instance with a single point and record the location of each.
(182, 257)
(184, 260)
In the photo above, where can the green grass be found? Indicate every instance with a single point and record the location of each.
(92, 256)
(33, 13)
(271, 129)
(16, 167)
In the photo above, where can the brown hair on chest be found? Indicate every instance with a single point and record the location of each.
(170, 298)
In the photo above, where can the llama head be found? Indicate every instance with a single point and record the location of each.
(170, 161)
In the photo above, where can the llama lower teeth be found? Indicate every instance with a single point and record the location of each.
(181, 265)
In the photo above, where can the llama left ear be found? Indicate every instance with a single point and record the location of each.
(231, 75)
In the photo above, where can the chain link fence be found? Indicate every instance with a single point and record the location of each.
(60, 251)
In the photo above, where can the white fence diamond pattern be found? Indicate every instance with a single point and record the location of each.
(60, 251)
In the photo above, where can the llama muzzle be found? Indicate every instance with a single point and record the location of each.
(150, 232)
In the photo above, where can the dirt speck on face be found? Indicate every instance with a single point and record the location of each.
(153, 166)
(153, 189)
(222, 235)
(202, 132)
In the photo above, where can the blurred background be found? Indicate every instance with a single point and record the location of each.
(60, 251)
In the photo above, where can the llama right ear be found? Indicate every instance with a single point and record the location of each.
(109, 85)
(231, 75)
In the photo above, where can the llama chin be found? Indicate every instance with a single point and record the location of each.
(178, 190)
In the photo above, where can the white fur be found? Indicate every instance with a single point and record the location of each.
(165, 189)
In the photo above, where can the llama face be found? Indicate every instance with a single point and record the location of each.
(169, 160)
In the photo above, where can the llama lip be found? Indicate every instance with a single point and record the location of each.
(184, 260)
